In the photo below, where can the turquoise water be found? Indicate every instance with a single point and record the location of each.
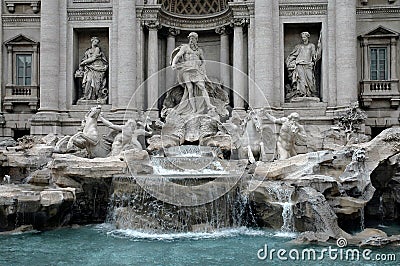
(102, 245)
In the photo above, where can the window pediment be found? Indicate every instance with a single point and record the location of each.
(20, 40)
(381, 32)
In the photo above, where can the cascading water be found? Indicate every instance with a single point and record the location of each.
(381, 211)
(284, 196)
(362, 219)
(154, 201)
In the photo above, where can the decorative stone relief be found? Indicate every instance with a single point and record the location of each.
(152, 24)
(173, 32)
(222, 30)
(303, 10)
(10, 4)
(91, 1)
(90, 15)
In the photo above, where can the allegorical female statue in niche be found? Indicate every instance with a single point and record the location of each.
(92, 68)
(301, 66)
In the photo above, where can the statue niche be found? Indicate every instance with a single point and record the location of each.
(92, 74)
(192, 107)
(301, 70)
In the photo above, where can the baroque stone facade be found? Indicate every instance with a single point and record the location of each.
(44, 41)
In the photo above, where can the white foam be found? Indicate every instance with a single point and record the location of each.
(146, 235)
(285, 234)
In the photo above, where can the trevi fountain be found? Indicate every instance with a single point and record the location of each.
(196, 184)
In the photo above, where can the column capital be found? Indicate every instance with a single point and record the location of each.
(239, 22)
(223, 30)
(152, 24)
(173, 32)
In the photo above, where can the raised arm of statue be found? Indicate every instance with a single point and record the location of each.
(274, 120)
(109, 124)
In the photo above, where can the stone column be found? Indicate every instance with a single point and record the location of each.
(331, 50)
(346, 53)
(49, 55)
(170, 74)
(366, 66)
(10, 65)
(264, 54)
(2, 119)
(126, 53)
(141, 47)
(238, 65)
(251, 56)
(393, 59)
(34, 66)
(152, 67)
(224, 55)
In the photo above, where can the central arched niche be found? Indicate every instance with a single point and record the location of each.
(198, 7)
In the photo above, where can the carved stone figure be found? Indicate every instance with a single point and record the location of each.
(290, 132)
(88, 137)
(193, 108)
(246, 136)
(188, 59)
(127, 139)
(301, 66)
(93, 69)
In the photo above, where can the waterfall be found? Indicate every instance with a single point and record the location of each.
(362, 219)
(381, 211)
(131, 207)
(284, 196)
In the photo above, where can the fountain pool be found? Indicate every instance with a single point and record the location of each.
(104, 245)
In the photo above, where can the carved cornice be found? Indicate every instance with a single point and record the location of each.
(303, 10)
(10, 4)
(20, 20)
(250, 7)
(203, 22)
(89, 14)
(150, 12)
(239, 9)
(90, 1)
(377, 10)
